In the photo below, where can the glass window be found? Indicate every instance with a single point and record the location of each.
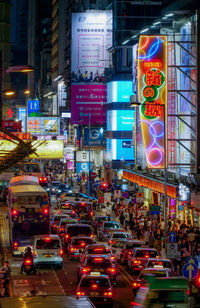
(101, 282)
(48, 244)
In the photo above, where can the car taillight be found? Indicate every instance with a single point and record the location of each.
(35, 253)
(82, 203)
(54, 226)
(83, 244)
(66, 236)
(94, 286)
(15, 245)
(73, 212)
(80, 293)
(28, 262)
(107, 293)
(61, 252)
(40, 179)
(98, 249)
(98, 259)
(137, 262)
(14, 212)
(47, 239)
(73, 249)
(91, 213)
(112, 258)
(91, 235)
(45, 211)
(130, 253)
(111, 270)
(112, 242)
(136, 285)
(85, 269)
(45, 179)
(146, 256)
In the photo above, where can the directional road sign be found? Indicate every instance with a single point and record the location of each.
(172, 251)
(33, 106)
(190, 270)
(125, 194)
(192, 261)
(172, 237)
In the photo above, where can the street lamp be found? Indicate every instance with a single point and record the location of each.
(135, 104)
(89, 141)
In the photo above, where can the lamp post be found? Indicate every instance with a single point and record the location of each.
(135, 104)
(89, 141)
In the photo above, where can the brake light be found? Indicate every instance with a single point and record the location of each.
(40, 179)
(61, 252)
(73, 212)
(66, 204)
(91, 213)
(45, 179)
(80, 293)
(45, 211)
(112, 242)
(73, 249)
(15, 245)
(85, 269)
(137, 262)
(35, 253)
(112, 270)
(98, 249)
(66, 236)
(94, 286)
(61, 229)
(146, 256)
(14, 212)
(112, 258)
(107, 293)
(91, 235)
(98, 259)
(47, 239)
(28, 262)
(82, 244)
(130, 253)
(82, 203)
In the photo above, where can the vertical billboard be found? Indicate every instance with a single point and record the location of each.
(91, 39)
(152, 90)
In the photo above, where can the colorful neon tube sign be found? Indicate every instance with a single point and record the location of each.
(152, 89)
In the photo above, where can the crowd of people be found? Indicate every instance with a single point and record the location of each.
(87, 76)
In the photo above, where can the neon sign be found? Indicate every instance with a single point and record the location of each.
(152, 89)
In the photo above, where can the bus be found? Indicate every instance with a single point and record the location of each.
(19, 169)
(29, 212)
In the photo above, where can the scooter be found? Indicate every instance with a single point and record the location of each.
(28, 266)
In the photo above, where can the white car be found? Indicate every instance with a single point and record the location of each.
(47, 250)
(118, 236)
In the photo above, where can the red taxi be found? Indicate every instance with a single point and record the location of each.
(77, 244)
(137, 260)
(97, 249)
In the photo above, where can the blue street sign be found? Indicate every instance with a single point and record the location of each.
(172, 237)
(125, 194)
(33, 106)
(190, 271)
(192, 261)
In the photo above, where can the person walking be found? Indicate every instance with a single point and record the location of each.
(6, 271)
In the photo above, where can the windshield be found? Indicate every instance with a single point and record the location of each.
(119, 235)
(146, 254)
(48, 244)
(112, 225)
(98, 262)
(80, 241)
(76, 230)
(100, 282)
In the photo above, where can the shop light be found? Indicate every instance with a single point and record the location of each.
(144, 30)
(125, 42)
(169, 15)
(134, 36)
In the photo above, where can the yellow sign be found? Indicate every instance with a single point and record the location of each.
(49, 149)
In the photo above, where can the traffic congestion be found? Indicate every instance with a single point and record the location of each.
(64, 242)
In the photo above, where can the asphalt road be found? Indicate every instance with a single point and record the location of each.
(50, 281)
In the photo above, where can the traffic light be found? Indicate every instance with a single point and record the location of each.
(104, 186)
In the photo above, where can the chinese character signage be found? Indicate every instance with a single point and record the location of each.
(91, 38)
(88, 99)
(152, 89)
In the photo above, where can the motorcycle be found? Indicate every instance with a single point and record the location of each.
(28, 266)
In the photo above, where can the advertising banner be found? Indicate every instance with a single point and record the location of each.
(12, 126)
(119, 91)
(51, 149)
(91, 38)
(83, 167)
(43, 125)
(152, 90)
(22, 117)
(83, 156)
(88, 99)
(120, 120)
(96, 137)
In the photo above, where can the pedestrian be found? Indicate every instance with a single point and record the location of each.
(158, 244)
(147, 235)
(151, 240)
(121, 217)
(126, 219)
(6, 271)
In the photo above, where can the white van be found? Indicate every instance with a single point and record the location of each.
(47, 249)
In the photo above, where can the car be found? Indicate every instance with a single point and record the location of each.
(77, 244)
(63, 222)
(146, 274)
(98, 249)
(158, 263)
(97, 222)
(97, 287)
(67, 205)
(137, 260)
(108, 227)
(70, 213)
(47, 250)
(84, 210)
(171, 292)
(97, 264)
(55, 222)
(72, 230)
(119, 235)
(72, 196)
(121, 249)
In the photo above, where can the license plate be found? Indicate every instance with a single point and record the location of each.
(48, 256)
(94, 294)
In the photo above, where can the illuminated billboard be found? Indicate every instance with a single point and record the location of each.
(119, 91)
(49, 149)
(120, 120)
(152, 91)
(43, 125)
